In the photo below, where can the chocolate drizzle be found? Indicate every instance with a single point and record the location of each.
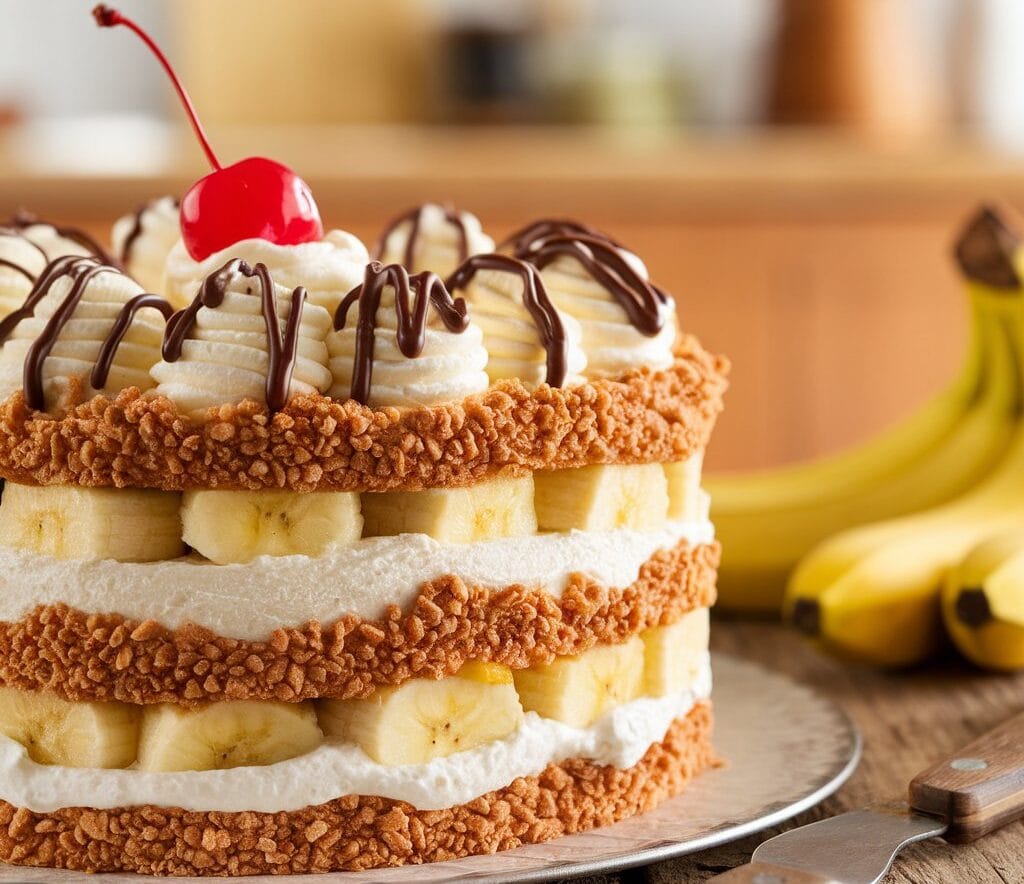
(414, 217)
(424, 289)
(282, 354)
(13, 265)
(602, 258)
(136, 231)
(22, 219)
(605, 264)
(550, 329)
(526, 240)
(105, 359)
(81, 270)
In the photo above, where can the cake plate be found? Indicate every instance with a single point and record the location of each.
(785, 749)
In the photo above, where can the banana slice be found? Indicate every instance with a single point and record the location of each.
(686, 501)
(601, 498)
(673, 654)
(579, 690)
(57, 731)
(238, 526)
(68, 522)
(496, 508)
(229, 733)
(424, 719)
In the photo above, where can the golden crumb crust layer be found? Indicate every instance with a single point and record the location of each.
(319, 443)
(91, 656)
(358, 832)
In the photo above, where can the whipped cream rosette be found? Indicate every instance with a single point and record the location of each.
(625, 320)
(327, 268)
(432, 237)
(21, 262)
(143, 240)
(402, 340)
(244, 337)
(83, 322)
(57, 241)
(526, 336)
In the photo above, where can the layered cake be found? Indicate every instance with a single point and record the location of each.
(312, 559)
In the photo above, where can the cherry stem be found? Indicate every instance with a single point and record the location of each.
(109, 18)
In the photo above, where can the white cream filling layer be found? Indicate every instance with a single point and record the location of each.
(250, 601)
(333, 770)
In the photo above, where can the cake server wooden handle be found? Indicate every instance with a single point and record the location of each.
(980, 787)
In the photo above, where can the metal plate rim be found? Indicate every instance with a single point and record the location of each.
(714, 837)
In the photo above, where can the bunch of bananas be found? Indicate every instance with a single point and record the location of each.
(871, 540)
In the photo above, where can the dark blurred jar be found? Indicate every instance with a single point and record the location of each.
(486, 73)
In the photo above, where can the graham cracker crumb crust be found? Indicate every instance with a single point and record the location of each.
(358, 832)
(104, 656)
(317, 443)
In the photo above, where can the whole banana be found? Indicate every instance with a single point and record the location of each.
(983, 603)
(767, 521)
(872, 593)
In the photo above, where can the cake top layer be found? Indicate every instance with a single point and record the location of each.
(558, 303)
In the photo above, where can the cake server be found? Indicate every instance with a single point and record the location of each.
(969, 794)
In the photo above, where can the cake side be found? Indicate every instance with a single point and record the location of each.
(378, 568)
(358, 832)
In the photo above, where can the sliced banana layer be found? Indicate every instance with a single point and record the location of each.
(336, 769)
(69, 522)
(674, 654)
(486, 511)
(440, 237)
(686, 499)
(78, 345)
(239, 526)
(226, 734)
(422, 719)
(226, 355)
(414, 723)
(579, 690)
(56, 731)
(602, 498)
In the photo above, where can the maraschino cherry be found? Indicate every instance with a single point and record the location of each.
(256, 198)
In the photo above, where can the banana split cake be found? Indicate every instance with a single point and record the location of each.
(315, 561)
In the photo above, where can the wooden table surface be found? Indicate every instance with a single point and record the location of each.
(908, 720)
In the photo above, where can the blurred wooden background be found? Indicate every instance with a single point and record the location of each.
(820, 267)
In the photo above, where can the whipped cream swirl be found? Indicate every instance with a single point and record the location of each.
(335, 768)
(102, 295)
(626, 321)
(505, 302)
(611, 342)
(422, 348)
(59, 242)
(432, 237)
(328, 269)
(226, 358)
(143, 240)
(21, 262)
